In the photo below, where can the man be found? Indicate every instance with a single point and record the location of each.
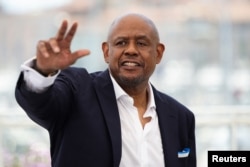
(113, 118)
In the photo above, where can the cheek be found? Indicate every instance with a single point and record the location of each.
(151, 62)
(108, 57)
(151, 57)
(113, 56)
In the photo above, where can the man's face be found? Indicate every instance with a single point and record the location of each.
(132, 51)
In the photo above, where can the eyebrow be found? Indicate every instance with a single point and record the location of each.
(127, 37)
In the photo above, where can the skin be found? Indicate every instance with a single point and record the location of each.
(55, 53)
(132, 51)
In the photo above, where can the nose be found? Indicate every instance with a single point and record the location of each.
(131, 49)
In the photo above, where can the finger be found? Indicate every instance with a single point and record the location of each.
(62, 30)
(80, 53)
(71, 33)
(54, 45)
(41, 48)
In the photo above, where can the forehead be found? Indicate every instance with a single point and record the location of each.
(132, 25)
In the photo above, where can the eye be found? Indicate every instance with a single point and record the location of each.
(121, 43)
(141, 43)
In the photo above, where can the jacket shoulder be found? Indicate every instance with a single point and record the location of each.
(76, 74)
(172, 103)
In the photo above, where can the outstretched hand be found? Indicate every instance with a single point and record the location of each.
(55, 53)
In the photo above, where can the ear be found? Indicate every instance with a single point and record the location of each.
(105, 50)
(160, 51)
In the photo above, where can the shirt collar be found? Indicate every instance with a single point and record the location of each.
(119, 92)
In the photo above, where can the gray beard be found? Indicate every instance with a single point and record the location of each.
(129, 83)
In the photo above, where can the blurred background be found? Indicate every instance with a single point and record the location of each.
(206, 65)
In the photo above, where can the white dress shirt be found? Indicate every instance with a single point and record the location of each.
(141, 147)
(34, 80)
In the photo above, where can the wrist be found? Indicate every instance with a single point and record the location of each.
(45, 73)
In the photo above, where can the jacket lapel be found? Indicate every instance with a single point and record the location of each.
(168, 120)
(168, 123)
(106, 96)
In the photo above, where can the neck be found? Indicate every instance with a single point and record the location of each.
(139, 94)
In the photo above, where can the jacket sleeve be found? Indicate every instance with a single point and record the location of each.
(50, 107)
(35, 81)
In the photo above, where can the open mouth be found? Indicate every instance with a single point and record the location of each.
(130, 64)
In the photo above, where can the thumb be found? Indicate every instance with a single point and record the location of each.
(80, 53)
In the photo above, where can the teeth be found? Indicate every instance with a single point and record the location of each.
(131, 64)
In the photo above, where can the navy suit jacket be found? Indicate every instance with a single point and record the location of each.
(81, 115)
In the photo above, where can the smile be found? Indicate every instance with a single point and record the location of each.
(130, 64)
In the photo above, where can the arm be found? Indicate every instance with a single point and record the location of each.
(35, 91)
(34, 81)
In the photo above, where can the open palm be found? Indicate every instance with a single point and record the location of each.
(55, 53)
